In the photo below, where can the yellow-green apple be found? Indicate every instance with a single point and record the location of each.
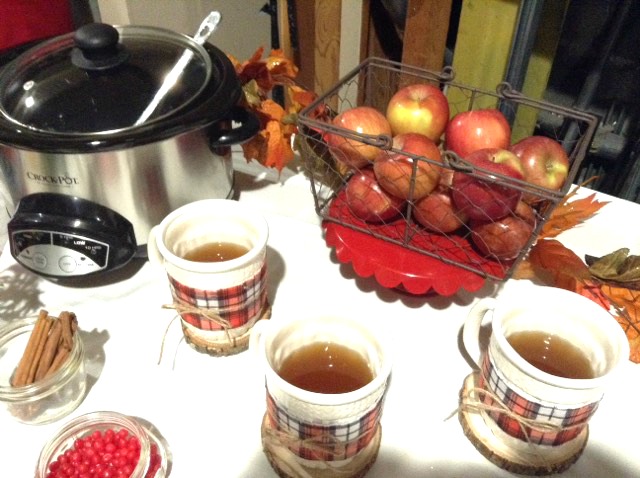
(505, 238)
(436, 212)
(368, 201)
(420, 108)
(477, 129)
(394, 170)
(484, 196)
(544, 161)
(363, 120)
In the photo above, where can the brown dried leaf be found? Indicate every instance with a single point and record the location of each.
(618, 266)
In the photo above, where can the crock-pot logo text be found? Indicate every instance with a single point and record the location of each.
(59, 180)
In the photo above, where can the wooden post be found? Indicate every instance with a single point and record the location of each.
(425, 33)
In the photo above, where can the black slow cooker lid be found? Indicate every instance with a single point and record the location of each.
(103, 79)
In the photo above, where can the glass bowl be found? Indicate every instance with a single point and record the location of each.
(46, 400)
(70, 444)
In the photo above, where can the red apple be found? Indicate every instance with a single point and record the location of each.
(505, 238)
(544, 161)
(477, 129)
(394, 170)
(368, 201)
(420, 108)
(525, 212)
(436, 213)
(502, 239)
(484, 196)
(362, 120)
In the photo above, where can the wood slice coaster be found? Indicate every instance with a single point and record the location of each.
(223, 346)
(511, 454)
(289, 465)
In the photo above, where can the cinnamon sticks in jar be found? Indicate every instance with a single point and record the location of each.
(48, 347)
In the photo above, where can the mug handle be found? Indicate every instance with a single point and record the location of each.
(471, 330)
(255, 337)
(153, 252)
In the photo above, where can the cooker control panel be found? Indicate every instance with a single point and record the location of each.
(63, 236)
(54, 253)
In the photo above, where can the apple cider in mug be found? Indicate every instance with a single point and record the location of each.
(551, 354)
(326, 367)
(215, 252)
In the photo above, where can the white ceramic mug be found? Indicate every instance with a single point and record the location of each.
(220, 301)
(343, 424)
(527, 395)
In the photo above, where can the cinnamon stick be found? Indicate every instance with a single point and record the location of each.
(39, 350)
(49, 351)
(24, 366)
(67, 332)
(61, 355)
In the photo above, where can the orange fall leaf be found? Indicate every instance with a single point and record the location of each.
(570, 213)
(627, 303)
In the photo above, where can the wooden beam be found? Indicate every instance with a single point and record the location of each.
(482, 48)
(425, 33)
(327, 43)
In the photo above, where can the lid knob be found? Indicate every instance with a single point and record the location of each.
(97, 47)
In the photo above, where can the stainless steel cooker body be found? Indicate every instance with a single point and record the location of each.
(142, 183)
(106, 131)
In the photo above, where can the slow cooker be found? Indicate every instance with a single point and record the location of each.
(98, 142)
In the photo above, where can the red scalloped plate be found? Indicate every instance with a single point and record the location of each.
(396, 266)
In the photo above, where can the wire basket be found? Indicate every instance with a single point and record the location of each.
(433, 254)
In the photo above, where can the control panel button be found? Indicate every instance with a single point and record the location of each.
(39, 260)
(67, 264)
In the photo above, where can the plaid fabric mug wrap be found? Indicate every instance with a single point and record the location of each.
(325, 443)
(235, 306)
(521, 415)
(219, 301)
(515, 398)
(314, 427)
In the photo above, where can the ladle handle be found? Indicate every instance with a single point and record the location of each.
(207, 27)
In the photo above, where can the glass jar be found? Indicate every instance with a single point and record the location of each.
(152, 450)
(48, 399)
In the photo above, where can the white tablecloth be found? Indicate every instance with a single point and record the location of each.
(209, 409)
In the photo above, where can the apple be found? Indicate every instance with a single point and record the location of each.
(472, 130)
(419, 108)
(505, 238)
(502, 239)
(394, 170)
(525, 212)
(483, 196)
(363, 120)
(436, 213)
(544, 161)
(368, 201)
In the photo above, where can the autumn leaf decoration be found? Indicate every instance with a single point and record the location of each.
(272, 146)
(613, 281)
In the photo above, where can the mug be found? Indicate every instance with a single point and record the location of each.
(535, 405)
(307, 432)
(218, 298)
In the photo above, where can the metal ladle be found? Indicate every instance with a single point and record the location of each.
(207, 27)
